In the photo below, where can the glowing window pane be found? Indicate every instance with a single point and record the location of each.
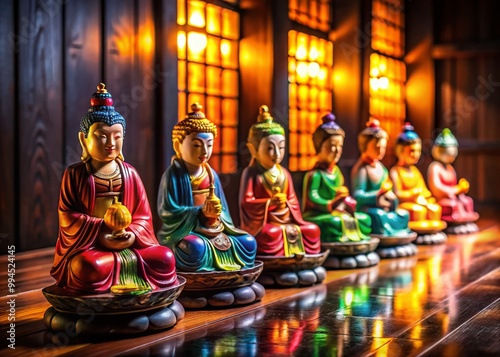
(196, 77)
(181, 45)
(230, 24)
(213, 19)
(196, 44)
(182, 75)
(213, 51)
(312, 13)
(181, 12)
(213, 109)
(213, 80)
(196, 13)
(229, 53)
(229, 163)
(310, 93)
(210, 74)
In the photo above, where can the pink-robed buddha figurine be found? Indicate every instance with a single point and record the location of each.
(412, 192)
(106, 241)
(450, 193)
(269, 208)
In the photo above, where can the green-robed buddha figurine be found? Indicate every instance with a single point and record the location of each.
(327, 203)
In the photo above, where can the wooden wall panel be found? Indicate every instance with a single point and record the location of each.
(128, 61)
(40, 119)
(82, 63)
(7, 126)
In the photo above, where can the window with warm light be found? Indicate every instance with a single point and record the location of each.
(208, 72)
(387, 69)
(314, 14)
(310, 62)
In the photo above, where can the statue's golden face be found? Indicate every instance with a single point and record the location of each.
(271, 150)
(331, 149)
(196, 148)
(410, 154)
(104, 143)
(375, 148)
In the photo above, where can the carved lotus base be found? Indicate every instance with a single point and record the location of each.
(350, 255)
(108, 303)
(199, 299)
(290, 278)
(461, 228)
(432, 238)
(296, 262)
(88, 323)
(404, 250)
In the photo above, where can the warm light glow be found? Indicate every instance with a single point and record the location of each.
(374, 72)
(225, 48)
(383, 82)
(181, 39)
(314, 69)
(301, 53)
(197, 16)
(197, 42)
(313, 53)
(374, 84)
(302, 70)
(378, 328)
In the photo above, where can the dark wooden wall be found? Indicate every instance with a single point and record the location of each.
(53, 54)
(453, 58)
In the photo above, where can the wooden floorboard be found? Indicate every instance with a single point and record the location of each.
(443, 299)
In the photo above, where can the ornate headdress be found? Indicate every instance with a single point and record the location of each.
(325, 130)
(446, 139)
(408, 135)
(101, 110)
(265, 126)
(195, 122)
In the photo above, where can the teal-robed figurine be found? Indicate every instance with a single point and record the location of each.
(372, 187)
(197, 225)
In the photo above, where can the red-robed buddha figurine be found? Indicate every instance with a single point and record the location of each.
(270, 210)
(106, 245)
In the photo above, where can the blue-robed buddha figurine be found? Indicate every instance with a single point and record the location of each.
(197, 225)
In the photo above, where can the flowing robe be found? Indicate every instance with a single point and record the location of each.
(367, 181)
(442, 181)
(182, 232)
(337, 223)
(280, 231)
(80, 262)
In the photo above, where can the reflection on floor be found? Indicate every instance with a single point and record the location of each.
(445, 301)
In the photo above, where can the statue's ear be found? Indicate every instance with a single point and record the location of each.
(252, 149)
(85, 153)
(177, 147)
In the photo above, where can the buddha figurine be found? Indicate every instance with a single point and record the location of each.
(269, 208)
(197, 224)
(106, 242)
(412, 192)
(450, 193)
(327, 203)
(373, 192)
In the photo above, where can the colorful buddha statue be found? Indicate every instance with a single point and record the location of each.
(269, 208)
(450, 193)
(373, 189)
(197, 224)
(412, 192)
(326, 200)
(106, 241)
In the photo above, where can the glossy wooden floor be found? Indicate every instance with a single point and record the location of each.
(443, 302)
